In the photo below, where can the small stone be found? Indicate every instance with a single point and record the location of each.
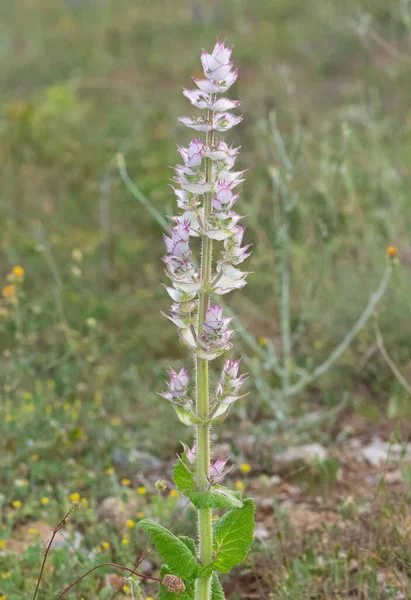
(261, 532)
(305, 454)
(112, 509)
(145, 462)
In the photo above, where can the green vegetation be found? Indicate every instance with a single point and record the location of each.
(84, 348)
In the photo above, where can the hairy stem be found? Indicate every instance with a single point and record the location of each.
(203, 429)
(56, 529)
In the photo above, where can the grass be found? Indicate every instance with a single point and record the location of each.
(84, 350)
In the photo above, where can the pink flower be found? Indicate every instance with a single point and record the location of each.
(228, 386)
(217, 470)
(193, 154)
(178, 244)
(231, 367)
(214, 320)
(224, 104)
(191, 453)
(210, 87)
(199, 123)
(178, 387)
(198, 98)
(182, 314)
(225, 121)
(223, 153)
(203, 100)
(224, 198)
(230, 278)
(179, 381)
(217, 65)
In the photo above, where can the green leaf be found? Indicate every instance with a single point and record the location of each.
(218, 497)
(183, 478)
(190, 543)
(217, 592)
(233, 536)
(186, 416)
(174, 552)
(164, 594)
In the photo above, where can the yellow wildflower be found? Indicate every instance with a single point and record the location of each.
(130, 523)
(45, 500)
(75, 497)
(106, 545)
(126, 481)
(109, 471)
(33, 531)
(392, 251)
(245, 468)
(124, 541)
(126, 588)
(2, 543)
(174, 494)
(35, 457)
(18, 273)
(2, 597)
(16, 504)
(140, 515)
(239, 485)
(5, 575)
(141, 491)
(9, 292)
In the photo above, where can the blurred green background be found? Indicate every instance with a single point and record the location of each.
(323, 85)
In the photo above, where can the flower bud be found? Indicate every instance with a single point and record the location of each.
(173, 584)
(217, 470)
(160, 485)
(191, 453)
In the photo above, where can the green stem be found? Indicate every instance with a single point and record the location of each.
(203, 429)
(285, 314)
(344, 345)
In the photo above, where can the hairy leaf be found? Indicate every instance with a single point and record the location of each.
(175, 553)
(233, 535)
(183, 478)
(217, 592)
(190, 543)
(217, 497)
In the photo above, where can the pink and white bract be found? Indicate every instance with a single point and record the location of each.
(192, 183)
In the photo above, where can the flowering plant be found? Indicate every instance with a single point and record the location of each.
(205, 191)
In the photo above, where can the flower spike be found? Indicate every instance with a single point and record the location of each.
(206, 186)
